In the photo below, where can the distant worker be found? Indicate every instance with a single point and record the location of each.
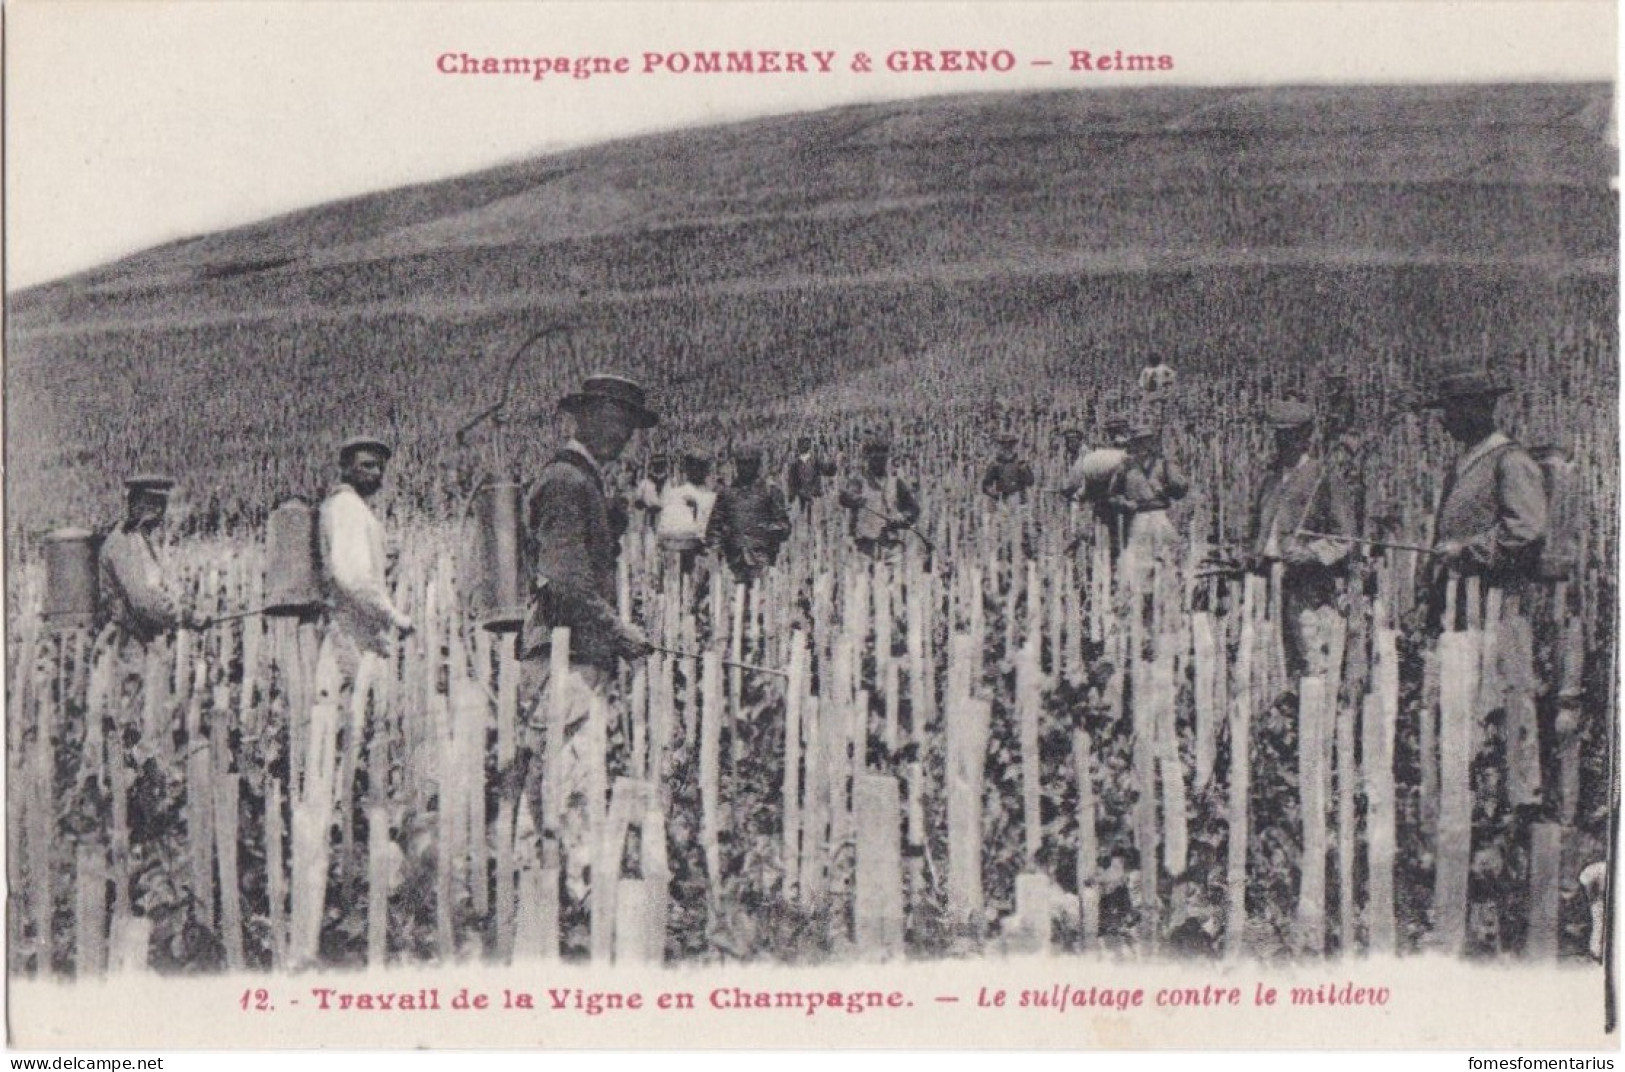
(685, 512)
(805, 479)
(750, 521)
(652, 487)
(135, 598)
(1157, 381)
(1491, 528)
(1073, 442)
(570, 538)
(1142, 490)
(1008, 475)
(880, 506)
(1301, 495)
(354, 560)
(1090, 479)
(361, 620)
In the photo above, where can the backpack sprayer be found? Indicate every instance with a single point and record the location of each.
(496, 591)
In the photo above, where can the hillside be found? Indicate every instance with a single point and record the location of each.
(791, 266)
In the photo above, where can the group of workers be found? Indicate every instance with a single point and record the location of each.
(1490, 526)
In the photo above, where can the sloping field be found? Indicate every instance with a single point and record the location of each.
(1026, 247)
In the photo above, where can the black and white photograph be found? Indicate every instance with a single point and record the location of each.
(1089, 526)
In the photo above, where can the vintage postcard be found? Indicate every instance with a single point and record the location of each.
(818, 525)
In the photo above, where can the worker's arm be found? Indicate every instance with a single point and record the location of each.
(1521, 520)
(137, 577)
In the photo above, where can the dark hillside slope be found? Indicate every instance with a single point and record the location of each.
(1021, 248)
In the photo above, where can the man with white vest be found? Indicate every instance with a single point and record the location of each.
(361, 617)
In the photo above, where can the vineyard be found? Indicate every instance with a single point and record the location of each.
(999, 741)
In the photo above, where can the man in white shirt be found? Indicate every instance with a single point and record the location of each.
(685, 513)
(361, 619)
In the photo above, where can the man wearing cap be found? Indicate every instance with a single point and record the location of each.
(134, 598)
(361, 619)
(361, 614)
(750, 521)
(880, 506)
(1299, 496)
(572, 542)
(1008, 475)
(806, 476)
(1491, 525)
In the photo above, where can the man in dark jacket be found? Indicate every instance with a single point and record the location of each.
(807, 473)
(1299, 497)
(1008, 475)
(880, 505)
(575, 546)
(749, 522)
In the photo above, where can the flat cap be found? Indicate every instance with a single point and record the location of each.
(1288, 413)
(365, 442)
(1005, 439)
(152, 483)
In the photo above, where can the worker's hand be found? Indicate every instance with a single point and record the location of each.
(635, 645)
(195, 621)
(1450, 552)
(1297, 555)
(402, 624)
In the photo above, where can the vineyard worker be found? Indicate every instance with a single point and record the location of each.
(1300, 494)
(1073, 442)
(1089, 481)
(361, 618)
(685, 513)
(880, 506)
(570, 538)
(652, 487)
(1142, 490)
(355, 560)
(1008, 475)
(135, 598)
(750, 521)
(1491, 525)
(806, 476)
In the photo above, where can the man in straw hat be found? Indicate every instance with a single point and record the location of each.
(362, 620)
(575, 548)
(1300, 496)
(1492, 517)
(1488, 534)
(1008, 475)
(880, 506)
